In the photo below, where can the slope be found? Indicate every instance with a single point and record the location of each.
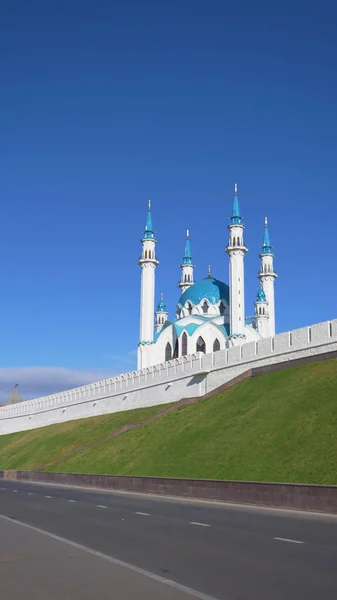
(280, 426)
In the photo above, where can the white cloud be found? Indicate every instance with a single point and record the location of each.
(40, 381)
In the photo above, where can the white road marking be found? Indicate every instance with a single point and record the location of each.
(287, 540)
(101, 506)
(30, 494)
(144, 514)
(71, 500)
(48, 496)
(15, 491)
(116, 561)
(200, 524)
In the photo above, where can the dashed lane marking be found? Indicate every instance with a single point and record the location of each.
(280, 539)
(200, 524)
(101, 506)
(144, 514)
(71, 500)
(48, 496)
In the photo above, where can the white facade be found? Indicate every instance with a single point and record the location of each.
(187, 377)
(210, 315)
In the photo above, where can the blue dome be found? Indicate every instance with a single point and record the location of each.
(209, 288)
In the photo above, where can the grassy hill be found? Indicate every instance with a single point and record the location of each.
(281, 426)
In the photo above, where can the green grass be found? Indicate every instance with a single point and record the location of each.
(281, 426)
(42, 447)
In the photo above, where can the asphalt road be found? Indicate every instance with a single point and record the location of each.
(224, 552)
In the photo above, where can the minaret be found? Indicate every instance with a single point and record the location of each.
(161, 314)
(262, 314)
(236, 251)
(267, 276)
(187, 266)
(148, 263)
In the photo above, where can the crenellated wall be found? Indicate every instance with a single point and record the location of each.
(187, 377)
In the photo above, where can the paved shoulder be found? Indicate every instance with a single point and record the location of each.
(36, 565)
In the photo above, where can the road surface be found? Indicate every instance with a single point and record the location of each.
(118, 545)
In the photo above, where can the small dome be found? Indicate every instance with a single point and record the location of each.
(161, 307)
(261, 296)
(209, 288)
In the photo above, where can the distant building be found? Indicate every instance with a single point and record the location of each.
(14, 396)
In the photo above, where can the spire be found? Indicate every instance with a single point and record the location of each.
(148, 232)
(236, 217)
(266, 247)
(161, 306)
(261, 296)
(187, 260)
(209, 271)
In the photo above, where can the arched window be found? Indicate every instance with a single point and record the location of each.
(189, 308)
(145, 253)
(264, 310)
(222, 308)
(175, 353)
(189, 278)
(216, 345)
(185, 277)
(205, 307)
(238, 242)
(201, 346)
(233, 241)
(260, 313)
(265, 268)
(184, 344)
(168, 351)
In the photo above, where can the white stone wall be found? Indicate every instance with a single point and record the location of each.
(190, 376)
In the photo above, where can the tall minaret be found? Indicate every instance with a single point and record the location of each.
(187, 266)
(161, 314)
(236, 251)
(267, 276)
(261, 314)
(148, 263)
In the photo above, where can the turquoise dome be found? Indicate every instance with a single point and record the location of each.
(209, 288)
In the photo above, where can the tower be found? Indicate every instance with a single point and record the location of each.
(148, 263)
(261, 314)
(161, 314)
(267, 276)
(236, 251)
(187, 266)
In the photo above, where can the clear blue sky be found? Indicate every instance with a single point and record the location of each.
(105, 104)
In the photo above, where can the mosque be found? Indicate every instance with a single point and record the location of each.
(210, 315)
